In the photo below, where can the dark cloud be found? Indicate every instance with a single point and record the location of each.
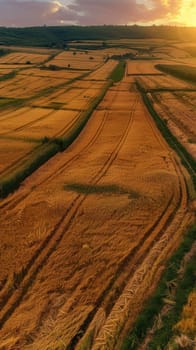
(53, 12)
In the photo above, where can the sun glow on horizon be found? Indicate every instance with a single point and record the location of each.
(187, 15)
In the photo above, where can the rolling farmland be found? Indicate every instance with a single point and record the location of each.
(22, 58)
(79, 60)
(97, 198)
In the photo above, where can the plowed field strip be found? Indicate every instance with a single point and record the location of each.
(66, 128)
(133, 260)
(179, 204)
(185, 99)
(13, 166)
(188, 125)
(27, 124)
(183, 114)
(125, 271)
(11, 300)
(14, 113)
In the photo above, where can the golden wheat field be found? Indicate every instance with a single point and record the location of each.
(164, 82)
(103, 72)
(24, 87)
(178, 109)
(78, 60)
(102, 199)
(22, 58)
(13, 152)
(61, 74)
(54, 123)
(141, 67)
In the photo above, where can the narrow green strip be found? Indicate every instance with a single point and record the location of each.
(185, 287)
(118, 72)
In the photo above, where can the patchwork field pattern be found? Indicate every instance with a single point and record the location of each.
(99, 197)
(51, 107)
(86, 236)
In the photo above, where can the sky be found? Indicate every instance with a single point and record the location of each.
(22, 13)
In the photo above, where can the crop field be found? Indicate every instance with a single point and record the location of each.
(48, 73)
(39, 109)
(6, 70)
(52, 124)
(118, 51)
(76, 97)
(21, 119)
(22, 58)
(170, 52)
(97, 176)
(22, 86)
(103, 72)
(165, 82)
(139, 43)
(187, 61)
(12, 152)
(142, 67)
(78, 60)
(31, 49)
(99, 197)
(178, 109)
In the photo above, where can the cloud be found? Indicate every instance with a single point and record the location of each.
(31, 12)
(108, 12)
(85, 12)
(124, 11)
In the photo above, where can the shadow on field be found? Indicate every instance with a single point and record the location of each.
(100, 189)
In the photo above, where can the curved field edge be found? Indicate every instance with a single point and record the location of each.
(50, 147)
(179, 71)
(154, 305)
(186, 159)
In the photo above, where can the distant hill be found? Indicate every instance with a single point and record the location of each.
(60, 36)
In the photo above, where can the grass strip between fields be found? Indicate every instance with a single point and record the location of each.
(156, 302)
(118, 72)
(49, 148)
